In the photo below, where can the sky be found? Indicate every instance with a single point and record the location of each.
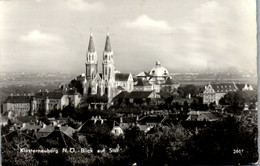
(53, 36)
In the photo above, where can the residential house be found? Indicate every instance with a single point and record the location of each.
(95, 125)
(143, 97)
(55, 138)
(152, 120)
(202, 116)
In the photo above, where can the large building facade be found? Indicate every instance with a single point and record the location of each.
(109, 82)
(22, 105)
(214, 92)
(157, 79)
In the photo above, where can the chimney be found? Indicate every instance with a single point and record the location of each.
(121, 119)
(44, 125)
(137, 117)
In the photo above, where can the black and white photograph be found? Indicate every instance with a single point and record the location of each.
(128, 82)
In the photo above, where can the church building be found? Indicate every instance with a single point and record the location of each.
(109, 82)
(157, 79)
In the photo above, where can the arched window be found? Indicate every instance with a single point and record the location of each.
(106, 90)
(109, 72)
(98, 90)
(89, 90)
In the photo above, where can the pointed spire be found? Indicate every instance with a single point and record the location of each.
(91, 47)
(108, 45)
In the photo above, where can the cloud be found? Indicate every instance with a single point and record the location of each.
(81, 5)
(215, 33)
(145, 22)
(38, 36)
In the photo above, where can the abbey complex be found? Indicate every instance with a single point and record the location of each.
(110, 83)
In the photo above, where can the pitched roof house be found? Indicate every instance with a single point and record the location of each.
(214, 92)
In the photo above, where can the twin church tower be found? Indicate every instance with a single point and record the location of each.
(110, 80)
(108, 64)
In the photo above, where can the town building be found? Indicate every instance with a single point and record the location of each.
(25, 105)
(214, 92)
(203, 116)
(15, 106)
(49, 101)
(135, 97)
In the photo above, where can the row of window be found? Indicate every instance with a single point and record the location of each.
(224, 86)
(90, 57)
(225, 90)
(108, 57)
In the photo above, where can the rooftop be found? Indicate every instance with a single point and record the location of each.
(18, 99)
(122, 76)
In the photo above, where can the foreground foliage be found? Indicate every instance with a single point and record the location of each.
(217, 143)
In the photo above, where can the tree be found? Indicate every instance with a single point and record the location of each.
(215, 144)
(77, 84)
(11, 154)
(194, 105)
(185, 106)
(212, 106)
(252, 106)
(236, 100)
(167, 145)
(138, 101)
(188, 89)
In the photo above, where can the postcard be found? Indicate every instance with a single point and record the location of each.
(140, 82)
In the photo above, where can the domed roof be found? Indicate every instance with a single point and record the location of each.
(158, 70)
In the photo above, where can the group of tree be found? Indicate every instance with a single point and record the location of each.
(235, 100)
(186, 90)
